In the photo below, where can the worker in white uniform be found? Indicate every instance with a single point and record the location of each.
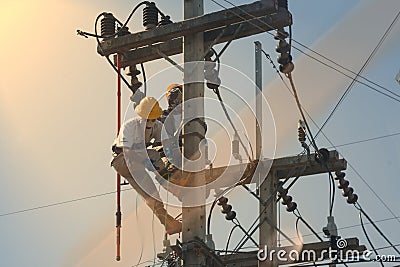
(132, 158)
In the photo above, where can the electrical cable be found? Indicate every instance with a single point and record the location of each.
(359, 208)
(221, 194)
(368, 239)
(294, 93)
(357, 225)
(279, 225)
(367, 140)
(102, 52)
(397, 245)
(250, 146)
(360, 82)
(331, 185)
(229, 237)
(61, 203)
(266, 204)
(333, 191)
(144, 79)
(245, 232)
(347, 91)
(140, 232)
(269, 26)
(280, 232)
(289, 76)
(113, 192)
(329, 263)
(347, 69)
(218, 93)
(85, 34)
(154, 238)
(349, 164)
(298, 215)
(118, 214)
(335, 147)
(330, 196)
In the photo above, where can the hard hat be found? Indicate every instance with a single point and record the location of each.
(149, 108)
(173, 88)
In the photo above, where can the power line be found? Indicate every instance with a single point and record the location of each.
(358, 174)
(347, 91)
(368, 239)
(348, 163)
(61, 203)
(359, 208)
(263, 22)
(357, 225)
(341, 66)
(368, 140)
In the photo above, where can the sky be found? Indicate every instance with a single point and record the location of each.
(58, 121)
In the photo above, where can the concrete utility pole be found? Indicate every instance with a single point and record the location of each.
(267, 234)
(193, 36)
(258, 67)
(193, 218)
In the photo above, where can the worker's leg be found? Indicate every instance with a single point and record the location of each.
(147, 190)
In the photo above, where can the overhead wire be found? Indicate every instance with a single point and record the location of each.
(350, 86)
(298, 215)
(368, 140)
(343, 67)
(335, 147)
(218, 93)
(61, 203)
(229, 237)
(144, 79)
(102, 194)
(337, 263)
(359, 208)
(368, 239)
(266, 204)
(140, 232)
(269, 27)
(357, 225)
(313, 142)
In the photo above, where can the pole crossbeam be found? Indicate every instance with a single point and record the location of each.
(189, 26)
(286, 167)
(173, 47)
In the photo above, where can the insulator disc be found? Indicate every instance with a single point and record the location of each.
(150, 16)
(164, 21)
(107, 25)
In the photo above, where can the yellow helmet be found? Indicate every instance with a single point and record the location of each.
(173, 86)
(149, 108)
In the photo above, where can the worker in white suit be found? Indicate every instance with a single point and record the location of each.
(132, 158)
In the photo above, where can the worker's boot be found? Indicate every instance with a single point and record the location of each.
(172, 226)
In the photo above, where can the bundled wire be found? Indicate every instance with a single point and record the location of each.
(361, 210)
(369, 240)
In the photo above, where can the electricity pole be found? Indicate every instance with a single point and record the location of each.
(193, 37)
(193, 218)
